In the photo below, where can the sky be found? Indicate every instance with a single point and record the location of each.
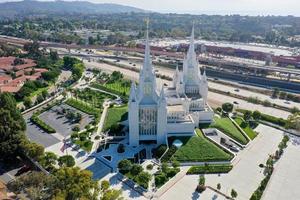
(244, 7)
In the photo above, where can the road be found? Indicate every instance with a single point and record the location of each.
(242, 92)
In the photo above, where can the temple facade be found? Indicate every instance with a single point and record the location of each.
(157, 113)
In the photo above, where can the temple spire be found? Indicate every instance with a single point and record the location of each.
(192, 40)
(147, 58)
(162, 94)
(132, 91)
(204, 77)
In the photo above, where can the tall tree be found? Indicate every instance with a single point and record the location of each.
(12, 127)
(73, 183)
(34, 184)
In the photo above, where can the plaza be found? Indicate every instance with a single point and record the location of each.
(284, 183)
(244, 177)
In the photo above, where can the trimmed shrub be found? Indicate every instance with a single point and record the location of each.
(37, 121)
(210, 169)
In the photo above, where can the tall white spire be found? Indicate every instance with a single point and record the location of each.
(132, 91)
(147, 59)
(204, 77)
(162, 94)
(192, 41)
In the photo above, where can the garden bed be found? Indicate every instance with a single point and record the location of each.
(82, 140)
(92, 97)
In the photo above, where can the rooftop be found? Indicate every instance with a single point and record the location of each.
(175, 108)
(10, 88)
(7, 64)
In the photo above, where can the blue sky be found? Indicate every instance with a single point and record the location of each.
(251, 7)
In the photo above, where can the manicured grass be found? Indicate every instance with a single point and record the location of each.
(225, 125)
(245, 126)
(210, 169)
(115, 115)
(199, 149)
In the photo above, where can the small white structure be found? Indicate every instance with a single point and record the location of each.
(154, 115)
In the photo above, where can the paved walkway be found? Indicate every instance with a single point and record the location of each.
(100, 127)
(285, 180)
(244, 177)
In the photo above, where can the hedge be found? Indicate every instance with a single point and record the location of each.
(210, 169)
(36, 120)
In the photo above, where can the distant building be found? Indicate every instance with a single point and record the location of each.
(155, 114)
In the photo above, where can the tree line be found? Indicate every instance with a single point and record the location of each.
(278, 30)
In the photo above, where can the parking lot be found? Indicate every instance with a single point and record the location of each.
(60, 123)
(37, 135)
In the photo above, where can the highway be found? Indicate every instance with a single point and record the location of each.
(214, 99)
(254, 66)
(242, 92)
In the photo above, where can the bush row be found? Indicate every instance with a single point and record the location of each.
(210, 169)
(36, 120)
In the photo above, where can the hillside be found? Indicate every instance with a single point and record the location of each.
(30, 7)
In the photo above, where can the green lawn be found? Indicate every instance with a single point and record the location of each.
(248, 130)
(225, 125)
(115, 115)
(199, 149)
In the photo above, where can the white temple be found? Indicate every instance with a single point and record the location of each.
(155, 114)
